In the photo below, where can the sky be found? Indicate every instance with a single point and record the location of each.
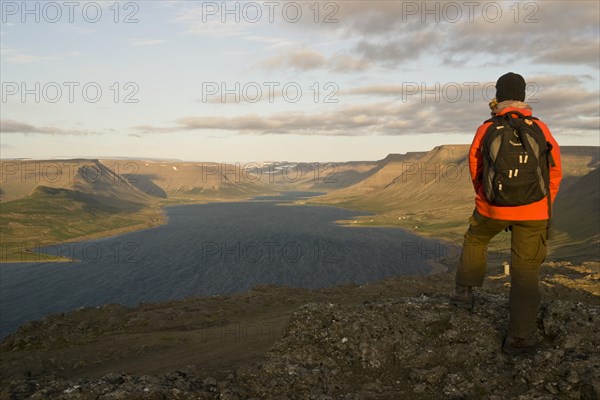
(242, 81)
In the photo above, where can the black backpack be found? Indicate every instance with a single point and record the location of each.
(517, 159)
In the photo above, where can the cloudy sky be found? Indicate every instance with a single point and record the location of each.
(243, 81)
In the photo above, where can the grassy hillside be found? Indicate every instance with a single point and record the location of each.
(379, 176)
(577, 209)
(48, 202)
(54, 215)
(577, 214)
(578, 161)
(427, 192)
(433, 195)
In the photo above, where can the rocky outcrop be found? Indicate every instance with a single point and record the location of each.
(423, 348)
(418, 348)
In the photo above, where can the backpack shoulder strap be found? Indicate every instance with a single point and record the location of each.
(550, 163)
(494, 120)
(549, 147)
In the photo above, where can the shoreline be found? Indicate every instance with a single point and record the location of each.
(171, 339)
(161, 218)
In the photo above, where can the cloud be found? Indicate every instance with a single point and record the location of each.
(346, 121)
(392, 33)
(306, 59)
(12, 126)
(273, 42)
(302, 59)
(409, 47)
(347, 63)
(443, 33)
(566, 53)
(75, 29)
(386, 118)
(18, 56)
(147, 42)
(254, 92)
(196, 23)
(566, 101)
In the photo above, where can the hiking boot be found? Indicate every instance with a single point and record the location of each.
(514, 345)
(462, 296)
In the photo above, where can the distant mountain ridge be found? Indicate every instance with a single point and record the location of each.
(19, 179)
(132, 181)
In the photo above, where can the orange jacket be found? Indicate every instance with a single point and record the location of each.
(533, 211)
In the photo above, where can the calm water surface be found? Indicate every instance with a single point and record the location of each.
(210, 249)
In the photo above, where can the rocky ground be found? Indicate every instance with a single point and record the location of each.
(394, 339)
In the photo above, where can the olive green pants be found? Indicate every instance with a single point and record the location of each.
(528, 251)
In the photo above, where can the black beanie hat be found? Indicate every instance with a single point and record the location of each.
(510, 86)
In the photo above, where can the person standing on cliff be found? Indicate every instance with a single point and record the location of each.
(515, 168)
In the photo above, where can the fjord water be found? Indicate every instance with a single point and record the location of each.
(207, 249)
